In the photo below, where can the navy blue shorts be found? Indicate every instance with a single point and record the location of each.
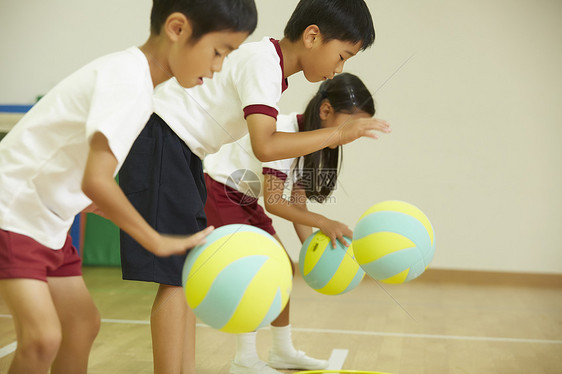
(164, 181)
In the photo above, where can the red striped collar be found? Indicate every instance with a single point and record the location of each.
(284, 81)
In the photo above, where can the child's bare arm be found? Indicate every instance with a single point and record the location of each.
(100, 186)
(268, 144)
(276, 204)
(298, 199)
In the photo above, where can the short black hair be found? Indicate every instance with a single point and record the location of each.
(345, 20)
(207, 15)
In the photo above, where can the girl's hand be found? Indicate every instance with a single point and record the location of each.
(361, 127)
(176, 245)
(335, 231)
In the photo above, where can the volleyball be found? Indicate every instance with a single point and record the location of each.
(329, 270)
(394, 242)
(239, 280)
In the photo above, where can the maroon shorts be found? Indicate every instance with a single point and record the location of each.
(226, 206)
(23, 257)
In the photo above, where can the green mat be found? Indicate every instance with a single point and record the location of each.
(101, 242)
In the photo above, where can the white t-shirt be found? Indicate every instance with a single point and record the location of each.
(207, 116)
(42, 159)
(236, 166)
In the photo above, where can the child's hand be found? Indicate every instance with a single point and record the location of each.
(93, 208)
(360, 127)
(177, 245)
(336, 230)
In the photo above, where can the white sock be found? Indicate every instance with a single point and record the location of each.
(282, 343)
(246, 352)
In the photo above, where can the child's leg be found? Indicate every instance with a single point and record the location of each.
(283, 355)
(173, 332)
(246, 360)
(283, 318)
(188, 364)
(80, 323)
(36, 322)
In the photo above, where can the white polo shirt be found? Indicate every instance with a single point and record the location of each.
(206, 117)
(237, 159)
(42, 159)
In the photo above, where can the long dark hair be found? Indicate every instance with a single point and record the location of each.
(346, 93)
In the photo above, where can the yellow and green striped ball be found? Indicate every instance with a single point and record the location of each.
(239, 280)
(394, 242)
(328, 270)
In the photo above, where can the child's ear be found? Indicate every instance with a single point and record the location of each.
(178, 27)
(311, 35)
(325, 110)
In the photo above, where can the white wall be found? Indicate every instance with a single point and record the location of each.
(475, 111)
(44, 41)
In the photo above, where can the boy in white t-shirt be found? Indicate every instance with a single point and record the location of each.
(235, 179)
(63, 156)
(319, 38)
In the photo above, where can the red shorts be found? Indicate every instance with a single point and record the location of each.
(226, 206)
(23, 257)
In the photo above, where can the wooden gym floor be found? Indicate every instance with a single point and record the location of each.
(443, 322)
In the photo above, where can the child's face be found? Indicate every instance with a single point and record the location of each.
(325, 60)
(190, 63)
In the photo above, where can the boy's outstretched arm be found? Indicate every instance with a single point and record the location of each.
(268, 144)
(100, 186)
